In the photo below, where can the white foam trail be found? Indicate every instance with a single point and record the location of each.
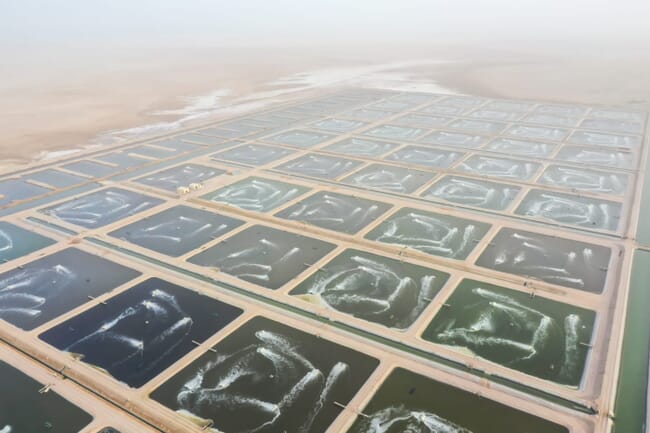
(334, 376)
(7, 244)
(232, 376)
(280, 363)
(494, 296)
(409, 421)
(571, 353)
(285, 345)
(30, 312)
(33, 300)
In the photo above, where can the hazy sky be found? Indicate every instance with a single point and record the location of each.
(81, 22)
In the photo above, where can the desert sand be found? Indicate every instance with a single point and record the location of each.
(58, 101)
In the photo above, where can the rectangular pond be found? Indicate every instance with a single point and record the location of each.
(425, 156)
(102, 207)
(407, 402)
(152, 152)
(177, 230)
(16, 241)
(473, 192)
(23, 409)
(389, 178)
(338, 126)
(502, 168)
(122, 159)
(591, 138)
(91, 168)
(534, 335)
(300, 138)
(449, 110)
(267, 377)
(334, 211)
(421, 120)
(431, 233)
(361, 147)
(320, 166)
(552, 120)
(222, 133)
(176, 145)
(613, 125)
(566, 262)
(263, 255)
(50, 286)
(243, 126)
(56, 178)
(257, 194)
(584, 179)
(606, 113)
(137, 334)
(575, 210)
(480, 126)
(12, 190)
(396, 132)
(368, 114)
(561, 110)
(538, 132)
(489, 114)
(373, 288)
(454, 139)
(180, 176)
(202, 139)
(414, 98)
(391, 105)
(509, 146)
(591, 156)
(517, 106)
(253, 154)
(461, 101)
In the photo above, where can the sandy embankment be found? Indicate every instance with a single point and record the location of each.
(63, 102)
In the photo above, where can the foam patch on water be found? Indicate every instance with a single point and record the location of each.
(406, 420)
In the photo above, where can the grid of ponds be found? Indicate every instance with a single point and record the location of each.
(430, 218)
